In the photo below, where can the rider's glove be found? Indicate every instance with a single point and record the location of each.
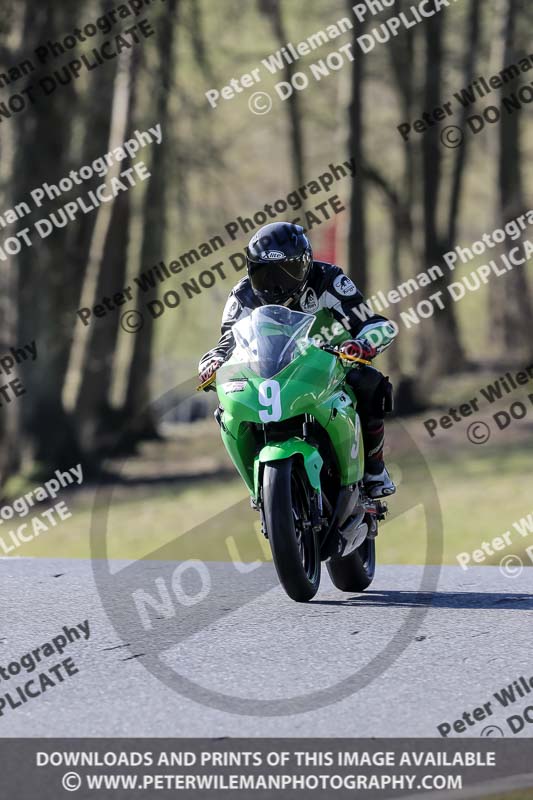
(209, 367)
(359, 348)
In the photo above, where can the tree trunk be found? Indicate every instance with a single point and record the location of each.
(93, 413)
(140, 423)
(440, 353)
(272, 9)
(357, 244)
(96, 109)
(10, 449)
(513, 294)
(471, 50)
(402, 201)
(43, 147)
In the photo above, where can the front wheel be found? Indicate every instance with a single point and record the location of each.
(295, 548)
(354, 573)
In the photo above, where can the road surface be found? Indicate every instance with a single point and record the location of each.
(466, 641)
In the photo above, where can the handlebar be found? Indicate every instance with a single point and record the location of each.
(328, 348)
(334, 352)
(354, 359)
(206, 384)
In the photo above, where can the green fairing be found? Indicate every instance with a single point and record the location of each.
(311, 384)
(283, 450)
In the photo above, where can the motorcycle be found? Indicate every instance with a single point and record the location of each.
(289, 422)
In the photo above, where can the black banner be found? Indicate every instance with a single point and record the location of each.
(51, 769)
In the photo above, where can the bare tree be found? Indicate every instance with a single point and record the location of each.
(43, 150)
(510, 304)
(272, 9)
(440, 353)
(140, 422)
(472, 41)
(357, 245)
(93, 413)
(10, 450)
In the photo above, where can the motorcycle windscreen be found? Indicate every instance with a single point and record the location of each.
(270, 338)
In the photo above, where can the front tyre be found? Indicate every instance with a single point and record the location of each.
(355, 572)
(294, 546)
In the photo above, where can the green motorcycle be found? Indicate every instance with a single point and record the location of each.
(289, 422)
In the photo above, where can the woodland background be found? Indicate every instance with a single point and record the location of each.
(89, 394)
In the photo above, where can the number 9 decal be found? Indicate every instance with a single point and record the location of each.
(269, 396)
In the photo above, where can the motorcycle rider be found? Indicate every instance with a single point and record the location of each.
(282, 271)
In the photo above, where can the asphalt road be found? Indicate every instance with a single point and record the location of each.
(445, 652)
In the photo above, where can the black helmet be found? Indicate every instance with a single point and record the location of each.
(279, 259)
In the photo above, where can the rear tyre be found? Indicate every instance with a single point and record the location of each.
(354, 573)
(294, 546)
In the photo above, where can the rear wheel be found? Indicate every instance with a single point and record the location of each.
(287, 515)
(354, 573)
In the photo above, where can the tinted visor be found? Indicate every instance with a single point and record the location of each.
(277, 280)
